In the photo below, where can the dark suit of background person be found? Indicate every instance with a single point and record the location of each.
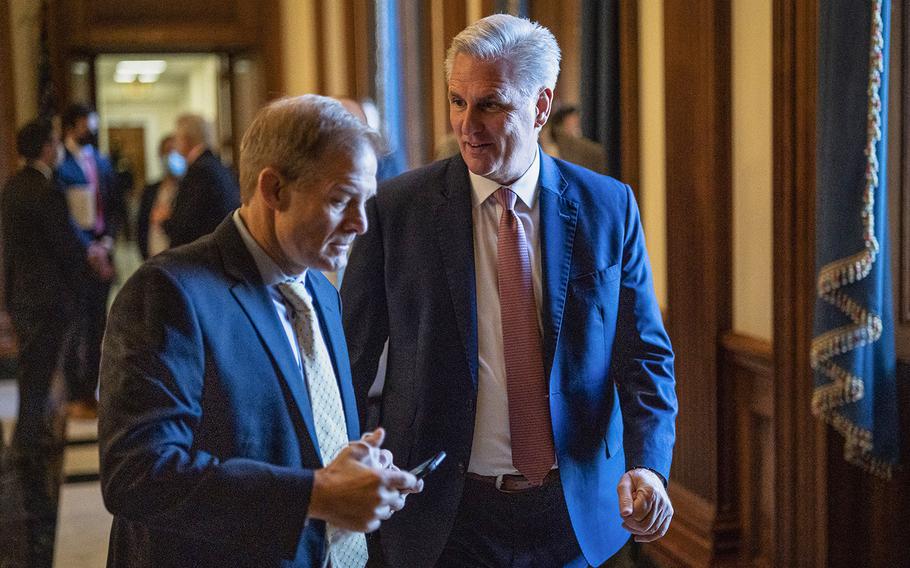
(411, 280)
(44, 269)
(208, 191)
(84, 354)
(208, 449)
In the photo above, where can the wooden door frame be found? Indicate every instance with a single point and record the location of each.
(800, 453)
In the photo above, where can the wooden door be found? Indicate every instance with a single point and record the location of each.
(128, 143)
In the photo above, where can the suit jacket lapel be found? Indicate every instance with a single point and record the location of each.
(326, 304)
(455, 237)
(257, 304)
(558, 217)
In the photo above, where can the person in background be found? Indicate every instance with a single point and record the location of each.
(45, 266)
(158, 198)
(226, 400)
(366, 111)
(89, 182)
(524, 335)
(563, 138)
(208, 191)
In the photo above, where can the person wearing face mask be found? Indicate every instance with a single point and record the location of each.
(206, 193)
(89, 183)
(158, 198)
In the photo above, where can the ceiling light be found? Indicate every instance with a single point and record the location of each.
(142, 67)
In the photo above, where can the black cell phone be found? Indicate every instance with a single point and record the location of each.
(429, 466)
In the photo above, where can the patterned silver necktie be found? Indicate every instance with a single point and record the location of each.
(346, 549)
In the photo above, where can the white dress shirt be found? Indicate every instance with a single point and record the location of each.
(272, 276)
(491, 451)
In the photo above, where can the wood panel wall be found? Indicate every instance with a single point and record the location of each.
(749, 366)
(7, 96)
(8, 158)
(699, 187)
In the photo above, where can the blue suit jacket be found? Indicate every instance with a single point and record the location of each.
(69, 173)
(206, 432)
(607, 355)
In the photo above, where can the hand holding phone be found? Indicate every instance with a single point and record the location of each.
(429, 466)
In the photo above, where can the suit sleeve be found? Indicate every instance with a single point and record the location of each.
(62, 237)
(642, 361)
(152, 471)
(365, 314)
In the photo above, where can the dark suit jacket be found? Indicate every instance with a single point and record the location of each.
(206, 432)
(44, 259)
(143, 217)
(206, 194)
(609, 361)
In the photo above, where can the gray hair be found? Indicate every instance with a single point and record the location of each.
(529, 47)
(196, 129)
(295, 135)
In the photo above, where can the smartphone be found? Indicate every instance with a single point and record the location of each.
(429, 466)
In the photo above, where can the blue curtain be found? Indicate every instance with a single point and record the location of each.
(390, 87)
(853, 345)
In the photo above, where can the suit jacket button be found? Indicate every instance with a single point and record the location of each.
(461, 468)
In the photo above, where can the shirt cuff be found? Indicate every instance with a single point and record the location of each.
(654, 471)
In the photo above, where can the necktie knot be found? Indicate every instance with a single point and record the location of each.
(506, 198)
(296, 294)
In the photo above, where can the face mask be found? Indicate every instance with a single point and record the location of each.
(175, 163)
(88, 139)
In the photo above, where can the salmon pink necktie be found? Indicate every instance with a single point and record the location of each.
(526, 385)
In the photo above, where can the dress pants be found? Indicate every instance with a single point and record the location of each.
(42, 336)
(83, 358)
(530, 528)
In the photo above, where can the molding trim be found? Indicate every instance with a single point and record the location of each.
(800, 476)
(699, 534)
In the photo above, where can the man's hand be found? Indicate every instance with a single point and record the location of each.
(383, 459)
(351, 493)
(644, 505)
(100, 262)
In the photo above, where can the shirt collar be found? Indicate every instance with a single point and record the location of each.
(271, 273)
(42, 167)
(524, 187)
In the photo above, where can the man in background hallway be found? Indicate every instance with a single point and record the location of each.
(206, 193)
(45, 266)
(524, 336)
(89, 183)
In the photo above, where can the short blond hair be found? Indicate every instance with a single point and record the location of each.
(295, 135)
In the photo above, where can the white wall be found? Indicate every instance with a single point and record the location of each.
(752, 168)
(652, 123)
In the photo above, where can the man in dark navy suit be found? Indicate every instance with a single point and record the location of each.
(45, 266)
(524, 336)
(208, 190)
(226, 399)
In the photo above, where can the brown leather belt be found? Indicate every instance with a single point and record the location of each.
(512, 483)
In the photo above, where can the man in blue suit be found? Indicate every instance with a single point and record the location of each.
(524, 337)
(226, 401)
